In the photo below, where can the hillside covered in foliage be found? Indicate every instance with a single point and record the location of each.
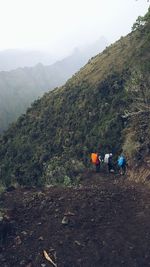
(104, 107)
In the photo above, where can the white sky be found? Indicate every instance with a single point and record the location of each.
(61, 25)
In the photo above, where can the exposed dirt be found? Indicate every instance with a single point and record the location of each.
(103, 222)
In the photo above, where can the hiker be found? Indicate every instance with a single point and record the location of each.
(110, 163)
(95, 159)
(121, 162)
(108, 159)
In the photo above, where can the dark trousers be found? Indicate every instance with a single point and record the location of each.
(123, 169)
(110, 167)
(97, 167)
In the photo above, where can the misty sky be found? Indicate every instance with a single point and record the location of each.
(61, 25)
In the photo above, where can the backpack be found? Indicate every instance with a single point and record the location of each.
(121, 161)
(94, 158)
(106, 158)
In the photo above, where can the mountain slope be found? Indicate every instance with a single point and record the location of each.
(52, 142)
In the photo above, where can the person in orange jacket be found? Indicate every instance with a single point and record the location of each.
(95, 159)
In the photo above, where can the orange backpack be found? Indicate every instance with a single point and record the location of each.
(94, 158)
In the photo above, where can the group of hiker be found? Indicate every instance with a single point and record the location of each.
(108, 161)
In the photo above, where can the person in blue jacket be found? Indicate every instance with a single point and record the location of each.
(121, 162)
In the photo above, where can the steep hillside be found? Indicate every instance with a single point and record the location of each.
(94, 110)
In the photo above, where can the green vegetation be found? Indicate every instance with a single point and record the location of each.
(141, 22)
(18, 88)
(96, 109)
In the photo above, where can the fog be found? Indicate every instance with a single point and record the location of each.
(58, 26)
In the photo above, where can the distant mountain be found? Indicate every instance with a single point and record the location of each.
(14, 58)
(95, 48)
(104, 107)
(11, 59)
(20, 87)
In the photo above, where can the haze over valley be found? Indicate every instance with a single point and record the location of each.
(20, 87)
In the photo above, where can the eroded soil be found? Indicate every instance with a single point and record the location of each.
(103, 222)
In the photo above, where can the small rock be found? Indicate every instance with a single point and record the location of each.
(65, 220)
(22, 263)
(41, 238)
(18, 240)
(56, 210)
(61, 198)
(24, 233)
(77, 242)
(43, 265)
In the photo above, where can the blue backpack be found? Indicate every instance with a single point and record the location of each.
(121, 161)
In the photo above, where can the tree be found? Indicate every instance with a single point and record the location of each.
(141, 21)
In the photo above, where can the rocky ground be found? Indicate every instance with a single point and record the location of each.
(103, 222)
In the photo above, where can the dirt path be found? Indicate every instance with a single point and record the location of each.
(104, 222)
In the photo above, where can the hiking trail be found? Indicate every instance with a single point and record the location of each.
(102, 222)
